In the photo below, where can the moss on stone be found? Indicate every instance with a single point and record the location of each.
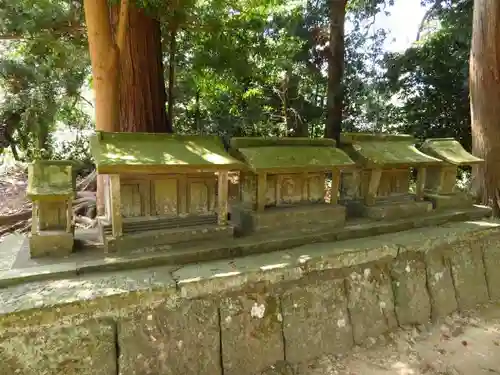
(149, 149)
(385, 150)
(449, 150)
(245, 142)
(267, 154)
(51, 179)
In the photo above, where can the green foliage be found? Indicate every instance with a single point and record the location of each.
(430, 80)
(242, 68)
(262, 71)
(42, 72)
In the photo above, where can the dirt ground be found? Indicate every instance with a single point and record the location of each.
(13, 200)
(12, 191)
(460, 345)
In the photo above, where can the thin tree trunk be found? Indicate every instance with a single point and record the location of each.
(171, 74)
(142, 83)
(485, 96)
(197, 113)
(335, 93)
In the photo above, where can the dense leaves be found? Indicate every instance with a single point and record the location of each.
(430, 80)
(242, 67)
(43, 68)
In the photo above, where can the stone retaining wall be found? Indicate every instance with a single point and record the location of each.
(261, 314)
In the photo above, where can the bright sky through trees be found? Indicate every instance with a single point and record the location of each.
(402, 23)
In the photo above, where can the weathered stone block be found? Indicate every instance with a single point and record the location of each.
(410, 290)
(252, 338)
(370, 303)
(55, 243)
(468, 274)
(491, 256)
(169, 238)
(87, 349)
(443, 202)
(440, 284)
(169, 340)
(399, 210)
(316, 320)
(307, 218)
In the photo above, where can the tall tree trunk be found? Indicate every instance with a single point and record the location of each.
(104, 57)
(171, 73)
(197, 113)
(142, 82)
(335, 93)
(485, 96)
(104, 68)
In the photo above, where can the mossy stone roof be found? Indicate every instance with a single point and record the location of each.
(449, 150)
(150, 152)
(380, 150)
(49, 179)
(268, 154)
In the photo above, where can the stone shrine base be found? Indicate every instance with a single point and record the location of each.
(443, 202)
(300, 218)
(166, 239)
(251, 315)
(54, 243)
(390, 210)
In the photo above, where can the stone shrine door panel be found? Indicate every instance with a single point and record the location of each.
(290, 189)
(201, 196)
(272, 191)
(131, 202)
(52, 215)
(394, 182)
(316, 187)
(165, 193)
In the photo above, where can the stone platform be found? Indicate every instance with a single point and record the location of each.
(244, 316)
(167, 239)
(55, 243)
(390, 210)
(305, 218)
(451, 201)
(17, 267)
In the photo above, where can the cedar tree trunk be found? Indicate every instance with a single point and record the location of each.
(142, 82)
(485, 99)
(335, 93)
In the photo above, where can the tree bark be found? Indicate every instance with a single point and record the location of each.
(104, 61)
(484, 98)
(142, 82)
(127, 70)
(335, 94)
(104, 57)
(171, 74)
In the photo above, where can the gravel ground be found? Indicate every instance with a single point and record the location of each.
(460, 345)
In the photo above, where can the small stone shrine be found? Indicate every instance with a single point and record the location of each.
(283, 186)
(440, 186)
(162, 189)
(51, 188)
(380, 188)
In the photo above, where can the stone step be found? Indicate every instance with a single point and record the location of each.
(153, 223)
